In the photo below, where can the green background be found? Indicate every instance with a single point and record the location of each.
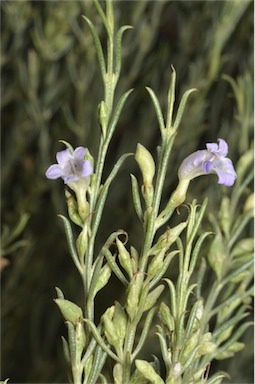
(51, 87)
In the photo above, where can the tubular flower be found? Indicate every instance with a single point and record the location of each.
(71, 167)
(75, 171)
(207, 161)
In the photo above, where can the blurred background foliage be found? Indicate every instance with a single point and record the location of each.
(51, 87)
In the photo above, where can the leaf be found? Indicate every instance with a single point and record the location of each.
(119, 35)
(98, 46)
(114, 266)
(136, 197)
(117, 112)
(158, 110)
(144, 334)
(101, 341)
(182, 107)
(70, 240)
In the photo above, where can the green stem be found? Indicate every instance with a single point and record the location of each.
(161, 174)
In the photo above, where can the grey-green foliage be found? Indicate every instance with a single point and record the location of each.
(50, 89)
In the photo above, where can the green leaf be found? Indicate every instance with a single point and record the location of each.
(98, 363)
(196, 251)
(98, 46)
(182, 107)
(101, 341)
(70, 240)
(157, 107)
(114, 266)
(172, 297)
(119, 35)
(195, 219)
(164, 347)
(104, 191)
(144, 334)
(117, 112)
(136, 197)
(66, 350)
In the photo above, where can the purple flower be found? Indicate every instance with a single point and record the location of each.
(71, 167)
(207, 161)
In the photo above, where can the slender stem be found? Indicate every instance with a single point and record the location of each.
(161, 174)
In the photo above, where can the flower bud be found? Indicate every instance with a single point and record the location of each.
(103, 116)
(70, 311)
(146, 164)
(156, 264)
(153, 297)
(73, 209)
(109, 329)
(232, 349)
(133, 295)
(120, 322)
(191, 344)
(148, 371)
(104, 276)
(82, 242)
(166, 317)
(124, 258)
(206, 348)
(168, 238)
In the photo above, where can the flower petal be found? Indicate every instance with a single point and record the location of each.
(68, 178)
(63, 156)
(212, 147)
(87, 168)
(54, 172)
(191, 167)
(223, 148)
(225, 178)
(207, 166)
(79, 153)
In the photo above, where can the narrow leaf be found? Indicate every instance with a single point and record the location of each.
(98, 46)
(182, 107)
(146, 328)
(114, 266)
(100, 340)
(70, 240)
(157, 109)
(118, 47)
(136, 197)
(117, 112)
